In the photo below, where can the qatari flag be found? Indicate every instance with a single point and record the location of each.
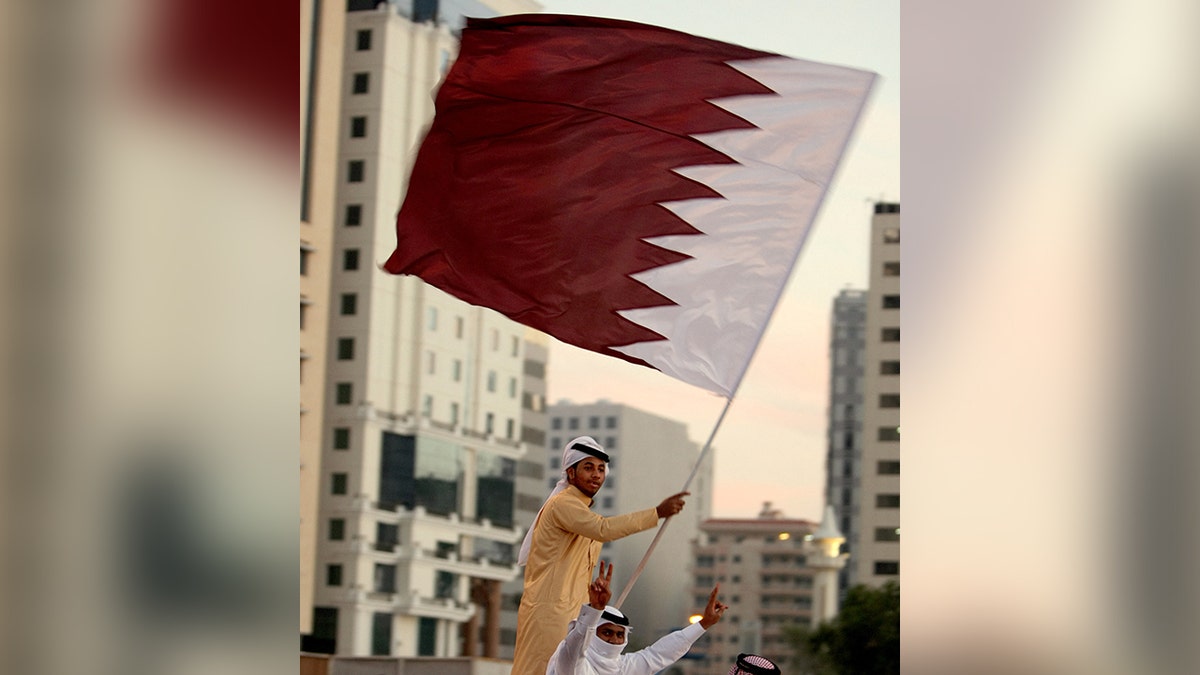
(632, 190)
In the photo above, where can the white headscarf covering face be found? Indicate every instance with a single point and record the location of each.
(575, 451)
(604, 657)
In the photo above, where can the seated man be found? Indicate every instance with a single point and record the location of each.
(596, 639)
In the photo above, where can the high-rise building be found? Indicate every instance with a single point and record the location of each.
(530, 473)
(773, 573)
(321, 34)
(876, 553)
(652, 457)
(421, 442)
(843, 459)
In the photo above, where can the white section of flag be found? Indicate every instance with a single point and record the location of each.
(752, 236)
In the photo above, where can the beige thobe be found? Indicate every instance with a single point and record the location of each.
(562, 556)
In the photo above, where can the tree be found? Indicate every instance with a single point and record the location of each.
(863, 639)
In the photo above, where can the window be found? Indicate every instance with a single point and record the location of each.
(593, 422)
(889, 400)
(427, 406)
(891, 269)
(341, 438)
(337, 529)
(887, 467)
(607, 503)
(362, 41)
(345, 349)
(358, 126)
(847, 498)
(512, 387)
(431, 316)
(362, 83)
(444, 586)
(339, 484)
(489, 423)
(573, 423)
(350, 259)
(509, 427)
(891, 235)
(456, 370)
(343, 393)
(353, 215)
(848, 469)
(491, 380)
(887, 501)
(453, 413)
(848, 441)
(381, 633)
(304, 303)
(427, 636)
(891, 302)
(516, 346)
(333, 575)
(887, 567)
(555, 463)
(610, 443)
(887, 534)
(890, 335)
(889, 368)
(387, 535)
(430, 363)
(305, 252)
(556, 424)
(385, 578)
(458, 327)
(889, 433)
(349, 304)
(355, 169)
(611, 423)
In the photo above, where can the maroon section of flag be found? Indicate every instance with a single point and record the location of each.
(552, 148)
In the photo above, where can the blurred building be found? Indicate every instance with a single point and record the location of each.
(774, 572)
(530, 473)
(652, 457)
(843, 460)
(321, 35)
(875, 554)
(425, 405)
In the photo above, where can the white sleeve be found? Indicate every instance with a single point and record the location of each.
(570, 651)
(667, 650)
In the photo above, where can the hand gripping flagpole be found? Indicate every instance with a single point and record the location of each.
(663, 528)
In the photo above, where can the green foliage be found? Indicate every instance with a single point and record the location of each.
(863, 639)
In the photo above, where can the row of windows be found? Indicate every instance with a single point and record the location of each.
(883, 468)
(556, 444)
(610, 422)
(350, 258)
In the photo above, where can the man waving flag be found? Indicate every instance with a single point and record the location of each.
(632, 190)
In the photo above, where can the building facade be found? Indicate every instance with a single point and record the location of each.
(843, 459)
(771, 572)
(876, 554)
(321, 34)
(652, 457)
(424, 395)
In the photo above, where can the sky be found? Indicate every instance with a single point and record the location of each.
(771, 444)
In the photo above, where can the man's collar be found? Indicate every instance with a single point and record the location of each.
(578, 494)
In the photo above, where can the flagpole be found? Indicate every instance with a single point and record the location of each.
(662, 528)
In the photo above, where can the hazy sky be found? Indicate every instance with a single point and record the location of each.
(771, 445)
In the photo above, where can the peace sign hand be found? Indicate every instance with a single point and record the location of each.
(598, 591)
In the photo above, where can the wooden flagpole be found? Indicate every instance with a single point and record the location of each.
(662, 528)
